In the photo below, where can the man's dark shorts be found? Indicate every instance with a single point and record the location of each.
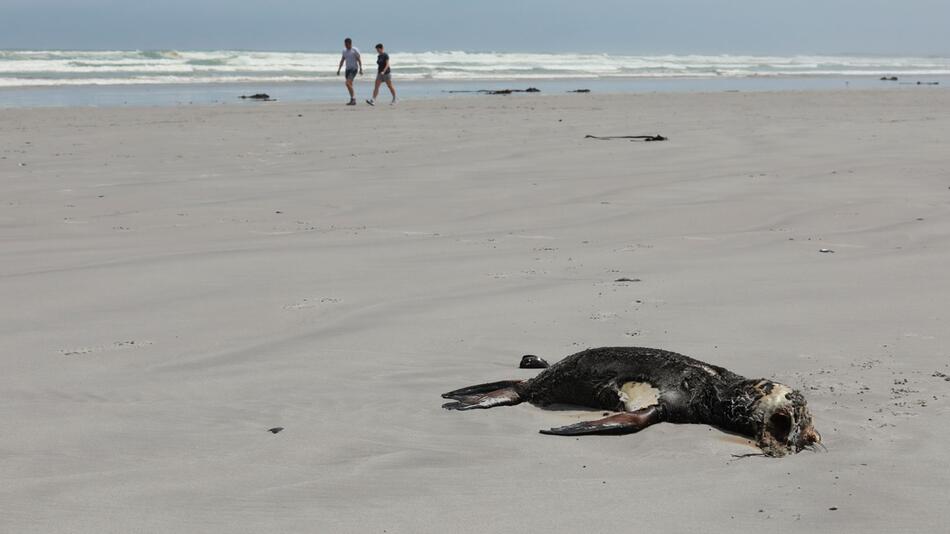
(351, 74)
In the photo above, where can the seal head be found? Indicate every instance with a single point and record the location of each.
(783, 420)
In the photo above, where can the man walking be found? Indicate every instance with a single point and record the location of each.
(354, 63)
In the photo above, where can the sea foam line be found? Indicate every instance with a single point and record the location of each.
(49, 68)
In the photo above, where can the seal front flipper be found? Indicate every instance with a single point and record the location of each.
(622, 423)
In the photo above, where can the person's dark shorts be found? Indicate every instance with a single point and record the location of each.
(388, 77)
(351, 74)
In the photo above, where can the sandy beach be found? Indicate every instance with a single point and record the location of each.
(176, 281)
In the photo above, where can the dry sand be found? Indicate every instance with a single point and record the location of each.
(176, 281)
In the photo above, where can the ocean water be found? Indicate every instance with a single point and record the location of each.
(169, 77)
(51, 68)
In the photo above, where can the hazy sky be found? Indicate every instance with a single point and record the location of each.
(893, 27)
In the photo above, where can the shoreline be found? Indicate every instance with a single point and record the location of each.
(171, 95)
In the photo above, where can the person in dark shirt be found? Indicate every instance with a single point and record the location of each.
(383, 74)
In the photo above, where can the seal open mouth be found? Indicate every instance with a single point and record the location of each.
(779, 427)
(774, 440)
(786, 424)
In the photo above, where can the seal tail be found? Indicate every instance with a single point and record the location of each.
(479, 389)
(481, 396)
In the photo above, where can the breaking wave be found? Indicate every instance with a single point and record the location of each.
(51, 68)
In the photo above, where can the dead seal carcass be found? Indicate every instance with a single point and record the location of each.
(650, 386)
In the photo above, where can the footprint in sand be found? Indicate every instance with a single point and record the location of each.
(312, 303)
(118, 345)
(604, 316)
(77, 352)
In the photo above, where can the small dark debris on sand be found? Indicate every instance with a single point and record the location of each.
(530, 361)
(580, 91)
(888, 78)
(938, 374)
(628, 280)
(826, 251)
(656, 137)
(275, 430)
(500, 91)
(263, 97)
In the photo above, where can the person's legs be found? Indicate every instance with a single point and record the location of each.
(389, 83)
(376, 88)
(350, 77)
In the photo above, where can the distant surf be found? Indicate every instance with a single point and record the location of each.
(65, 68)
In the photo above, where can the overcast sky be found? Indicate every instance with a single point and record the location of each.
(891, 27)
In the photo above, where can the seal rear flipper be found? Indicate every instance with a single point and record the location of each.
(500, 397)
(622, 423)
(479, 389)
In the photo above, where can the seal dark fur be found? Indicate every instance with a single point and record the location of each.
(650, 386)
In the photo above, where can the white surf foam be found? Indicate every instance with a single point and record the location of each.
(51, 68)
